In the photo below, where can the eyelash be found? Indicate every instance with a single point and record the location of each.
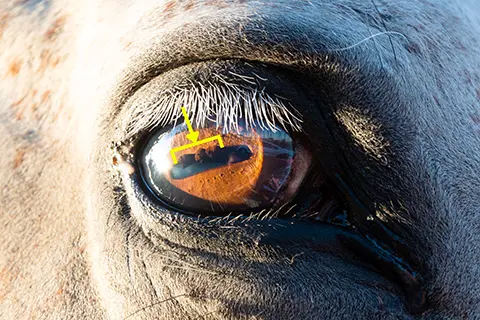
(223, 103)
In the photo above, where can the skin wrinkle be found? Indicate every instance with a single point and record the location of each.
(410, 69)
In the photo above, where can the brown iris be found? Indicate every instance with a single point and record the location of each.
(251, 170)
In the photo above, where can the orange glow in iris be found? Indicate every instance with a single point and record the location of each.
(232, 183)
(251, 171)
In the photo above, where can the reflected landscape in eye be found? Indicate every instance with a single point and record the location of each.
(204, 159)
(250, 171)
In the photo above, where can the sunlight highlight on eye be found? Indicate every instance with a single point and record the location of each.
(252, 170)
(159, 156)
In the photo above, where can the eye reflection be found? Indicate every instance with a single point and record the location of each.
(204, 159)
(251, 170)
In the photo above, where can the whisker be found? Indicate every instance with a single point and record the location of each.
(385, 27)
(371, 37)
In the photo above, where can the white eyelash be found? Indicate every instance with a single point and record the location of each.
(223, 104)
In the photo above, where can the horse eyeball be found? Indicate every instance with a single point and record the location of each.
(247, 169)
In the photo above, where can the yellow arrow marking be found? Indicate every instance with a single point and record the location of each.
(194, 144)
(193, 135)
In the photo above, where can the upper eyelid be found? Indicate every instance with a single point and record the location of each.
(205, 41)
(223, 103)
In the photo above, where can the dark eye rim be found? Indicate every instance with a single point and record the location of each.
(140, 142)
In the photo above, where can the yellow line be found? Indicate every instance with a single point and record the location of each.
(187, 121)
(174, 157)
(194, 144)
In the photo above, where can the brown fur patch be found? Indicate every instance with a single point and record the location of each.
(19, 115)
(56, 28)
(45, 96)
(189, 5)
(169, 6)
(14, 68)
(34, 107)
(47, 60)
(20, 105)
(18, 160)
(127, 45)
(56, 61)
(45, 57)
(18, 102)
(6, 278)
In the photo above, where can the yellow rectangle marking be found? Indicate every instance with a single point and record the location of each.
(194, 144)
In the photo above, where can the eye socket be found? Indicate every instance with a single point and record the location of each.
(245, 170)
(203, 182)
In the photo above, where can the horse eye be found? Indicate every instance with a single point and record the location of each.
(248, 169)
